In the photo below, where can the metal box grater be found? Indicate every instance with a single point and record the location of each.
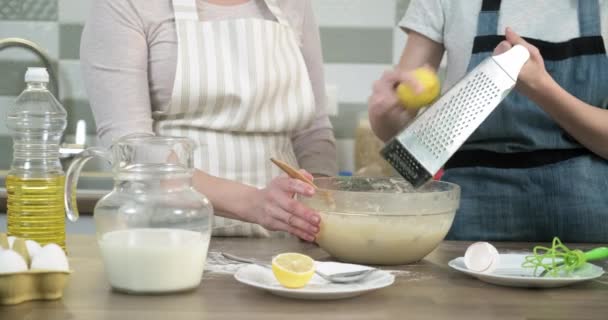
(429, 141)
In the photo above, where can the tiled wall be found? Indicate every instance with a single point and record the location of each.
(55, 25)
(359, 42)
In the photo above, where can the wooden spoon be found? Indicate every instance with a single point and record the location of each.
(293, 172)
(296, 174)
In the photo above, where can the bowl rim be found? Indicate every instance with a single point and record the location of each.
(367, 214)
(453, 187)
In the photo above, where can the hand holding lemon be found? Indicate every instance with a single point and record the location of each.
(415, 99)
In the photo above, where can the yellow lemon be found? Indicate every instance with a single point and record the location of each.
(430, 84)
(293, 270)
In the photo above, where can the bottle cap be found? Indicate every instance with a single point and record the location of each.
(36, 75)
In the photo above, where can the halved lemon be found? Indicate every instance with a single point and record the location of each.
(431, 87)
(293, 270)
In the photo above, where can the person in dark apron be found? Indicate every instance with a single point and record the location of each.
(523, 177)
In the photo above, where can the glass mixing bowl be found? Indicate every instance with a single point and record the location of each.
(382, 221)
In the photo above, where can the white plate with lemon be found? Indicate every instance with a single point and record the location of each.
(293, 276)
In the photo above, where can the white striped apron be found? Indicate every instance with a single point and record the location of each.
(241, 89)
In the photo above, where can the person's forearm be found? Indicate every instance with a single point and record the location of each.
(584, 122)
(315, 149)
(387, 117)
(229, 198)
(388, 125)
(320, 159)
(413, 58)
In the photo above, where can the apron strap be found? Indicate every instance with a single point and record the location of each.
(526, 159)
(589, 21)
(590, 42)
(185, 10)
(487, 23)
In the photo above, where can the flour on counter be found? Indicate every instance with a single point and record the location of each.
(405, 275)
(216, 263)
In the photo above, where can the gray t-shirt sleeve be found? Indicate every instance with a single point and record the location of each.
(314, 146)
(114, 59)
(426, 17)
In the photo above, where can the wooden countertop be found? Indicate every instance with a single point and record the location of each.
(430, 290)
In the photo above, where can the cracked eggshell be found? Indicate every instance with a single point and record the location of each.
(481, 257)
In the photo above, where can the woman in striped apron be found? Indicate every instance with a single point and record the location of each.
(537, 167)
(242, 91)
(241, 88)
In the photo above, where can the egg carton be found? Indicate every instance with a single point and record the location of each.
(22, 286)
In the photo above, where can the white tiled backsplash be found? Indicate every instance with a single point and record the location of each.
(346, 26)
(43, 33)
(354, 81)
(355, 13)
(74, 11)
(70, 80)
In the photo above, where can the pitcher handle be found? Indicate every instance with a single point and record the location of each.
(72, 175)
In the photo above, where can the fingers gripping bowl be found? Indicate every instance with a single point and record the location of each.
(382, 221)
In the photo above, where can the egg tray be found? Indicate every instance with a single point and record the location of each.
(29, 285)
(37, 284)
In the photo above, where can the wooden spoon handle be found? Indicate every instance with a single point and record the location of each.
(292, 172)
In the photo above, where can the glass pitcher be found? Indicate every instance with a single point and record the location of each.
(153, 228)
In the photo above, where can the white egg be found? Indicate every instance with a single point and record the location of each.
(32, 247)
(11, 261)
(481, 257)
(50, 257)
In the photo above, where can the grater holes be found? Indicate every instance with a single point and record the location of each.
(406, 164)
(455, 116)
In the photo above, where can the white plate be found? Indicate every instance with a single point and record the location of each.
(510, 273)
(317, 288)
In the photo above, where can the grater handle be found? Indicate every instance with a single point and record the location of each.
(512, 60)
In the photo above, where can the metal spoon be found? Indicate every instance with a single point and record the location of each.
(343, 277)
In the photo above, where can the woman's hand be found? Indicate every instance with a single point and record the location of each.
(387, 115)
(277, 210)
(533, 74)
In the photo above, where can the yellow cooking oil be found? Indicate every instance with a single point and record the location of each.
(35, 208)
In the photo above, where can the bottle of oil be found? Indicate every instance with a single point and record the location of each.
(35, 181)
